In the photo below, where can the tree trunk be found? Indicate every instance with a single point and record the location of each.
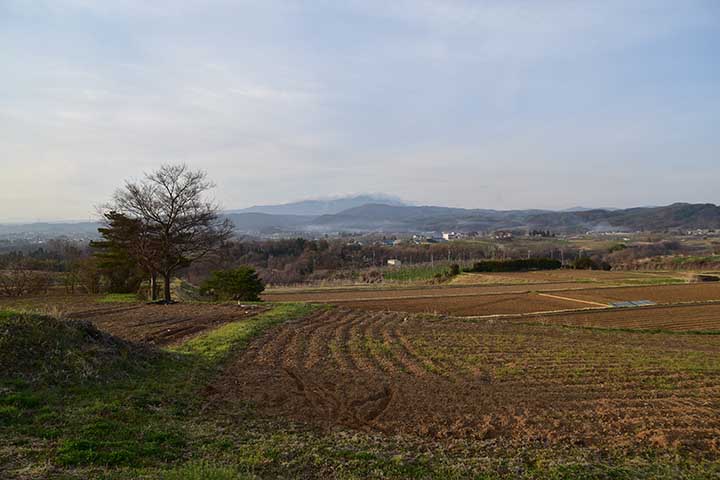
(153, 287)
(166, 281)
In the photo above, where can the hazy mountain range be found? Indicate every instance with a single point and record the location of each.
(378, 216)
(379, 213)
(327, 206)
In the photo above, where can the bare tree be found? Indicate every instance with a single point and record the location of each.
(17, 280)
(179, 223)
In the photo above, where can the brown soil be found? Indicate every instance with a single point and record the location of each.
(676, 318)
(657, 293)
(559, 276)
(164, 324)
(471, 305)
(156, 324)
(332, 295)
(448, 379)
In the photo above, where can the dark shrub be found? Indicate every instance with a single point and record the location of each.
(585, 263)
(521, 265)
(238, 284)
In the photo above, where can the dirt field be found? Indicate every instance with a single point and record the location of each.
(586, 276)
(164, 324)
(676, 318)
(476, 305)
(339, 295)
(448, 379)
(157, 324)
(657, 293)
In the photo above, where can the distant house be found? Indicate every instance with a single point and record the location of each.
(451, 235)
(394, 262)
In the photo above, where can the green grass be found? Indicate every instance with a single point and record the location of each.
(686, 259)
(140, 414)
(119, 298)
(145, 419)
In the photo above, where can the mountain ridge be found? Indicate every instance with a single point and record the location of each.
(409, 219)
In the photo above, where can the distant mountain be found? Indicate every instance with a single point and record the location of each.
(264, 223)
(50, 229)
(675, 216)
(322, 206)
(380, 217)
(586, 209)
(389, 218)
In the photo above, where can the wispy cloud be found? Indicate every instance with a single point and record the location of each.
(426, 99)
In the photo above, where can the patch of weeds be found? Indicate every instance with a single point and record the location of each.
(109, 442)
(9, 414)
(204, 471)
(23, 400)
(119, 298)
(507, 371)
(377, 347)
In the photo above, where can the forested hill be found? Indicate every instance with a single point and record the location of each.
(378, 217)
(396, 219)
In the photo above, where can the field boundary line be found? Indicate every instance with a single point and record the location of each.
(598, 304)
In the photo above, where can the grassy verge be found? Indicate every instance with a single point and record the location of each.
(142, 416)
(118, 298)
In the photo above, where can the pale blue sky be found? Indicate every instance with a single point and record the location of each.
(488, 104)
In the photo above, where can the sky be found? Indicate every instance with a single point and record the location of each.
(480, 104)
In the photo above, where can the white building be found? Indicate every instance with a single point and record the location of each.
(394, 262)
(451, 235)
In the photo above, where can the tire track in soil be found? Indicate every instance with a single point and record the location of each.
(575, 397)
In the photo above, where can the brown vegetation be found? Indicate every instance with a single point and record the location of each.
(17, 281)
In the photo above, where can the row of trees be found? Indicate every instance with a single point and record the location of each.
(158, 225)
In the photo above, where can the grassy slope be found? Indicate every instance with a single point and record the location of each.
(149, 424)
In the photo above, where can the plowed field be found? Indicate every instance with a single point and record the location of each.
(156, 324)
(658, 293)
(450, 379)
(564, 275)
(341, 295)
(163, 324)
(475, 305)
(676, 318)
